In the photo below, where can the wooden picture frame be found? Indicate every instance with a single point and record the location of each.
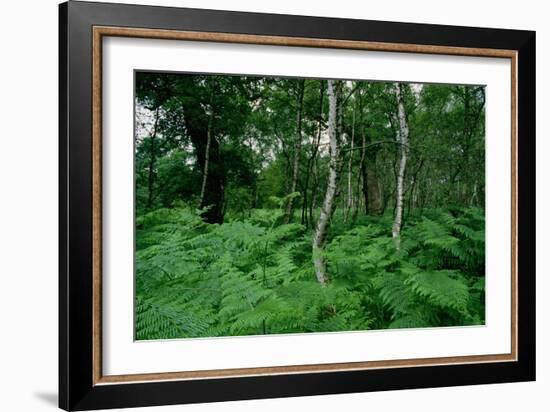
(82, 384)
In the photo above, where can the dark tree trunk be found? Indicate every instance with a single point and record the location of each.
(374, 196)
(413, 188)
(314, 188)
(364, 180)
(350, 200)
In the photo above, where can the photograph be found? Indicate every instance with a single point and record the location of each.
(274, 205)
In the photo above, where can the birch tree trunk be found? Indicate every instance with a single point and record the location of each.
(297, 151)
(206, 159)
(403, 141)
(327, 209)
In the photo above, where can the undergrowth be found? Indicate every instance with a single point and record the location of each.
(254, 276)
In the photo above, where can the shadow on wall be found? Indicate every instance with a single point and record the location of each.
(49, 398)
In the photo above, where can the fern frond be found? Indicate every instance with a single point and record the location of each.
(442, 287)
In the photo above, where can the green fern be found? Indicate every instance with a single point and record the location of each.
(441, 289)
(254, 276)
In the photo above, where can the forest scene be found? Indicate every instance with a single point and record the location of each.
(271, 205)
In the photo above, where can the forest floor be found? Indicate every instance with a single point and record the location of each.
(254, 275)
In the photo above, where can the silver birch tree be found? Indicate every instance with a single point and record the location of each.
(402, 138)
(327, 208)
(206, 157)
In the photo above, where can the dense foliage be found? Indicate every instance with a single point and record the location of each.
(254, 276)
(233, 177)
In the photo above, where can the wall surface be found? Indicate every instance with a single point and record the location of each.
(28, 204)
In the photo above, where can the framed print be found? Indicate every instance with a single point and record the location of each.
(256, 205)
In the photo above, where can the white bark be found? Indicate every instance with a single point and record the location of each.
(403, 142)
(206, 159)
(327, 208)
